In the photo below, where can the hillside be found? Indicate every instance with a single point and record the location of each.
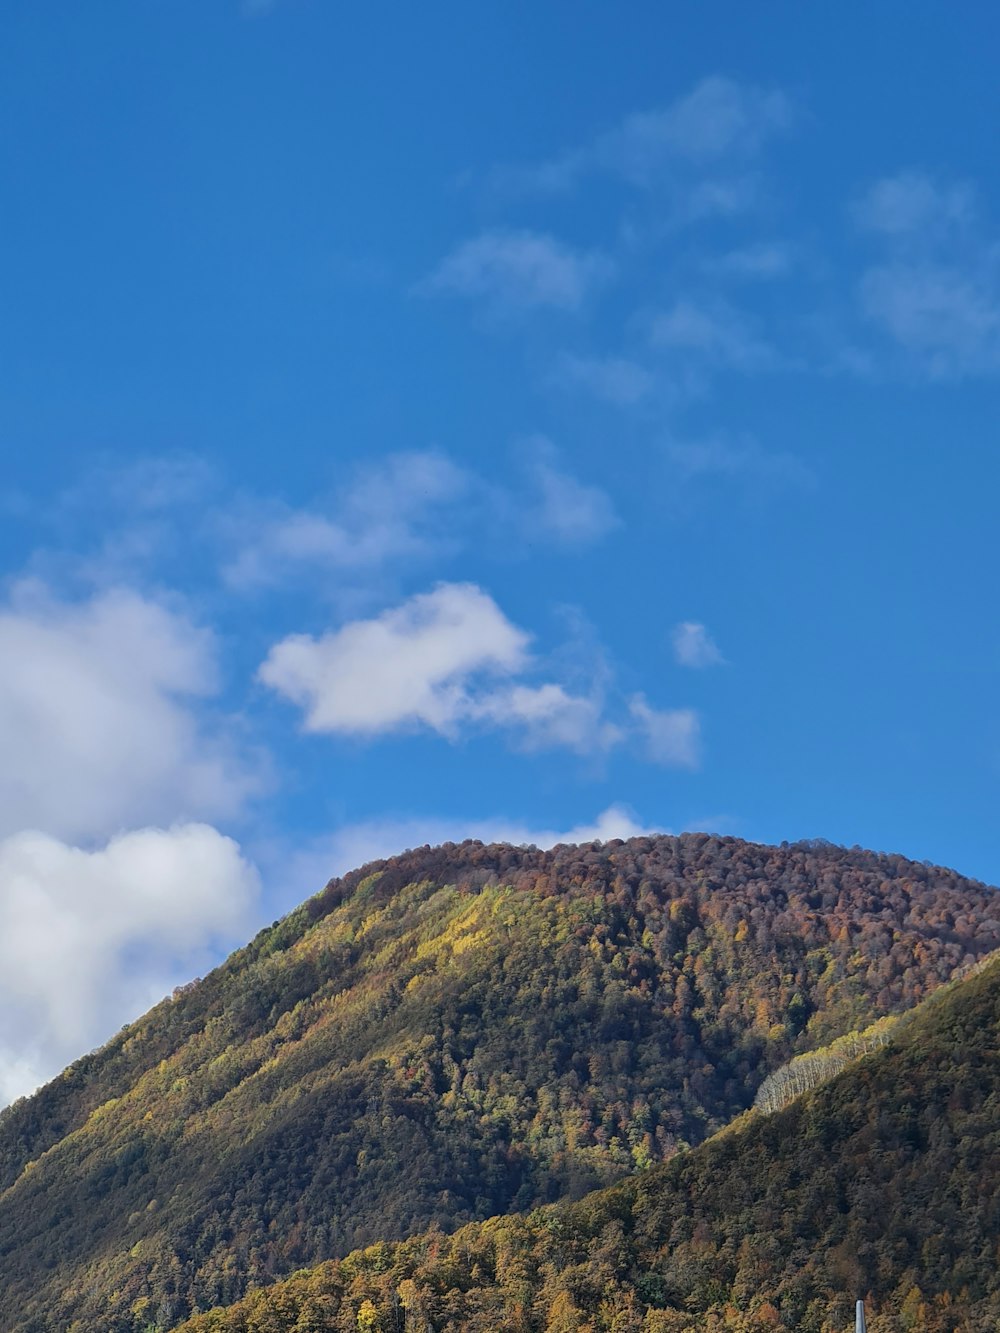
(881, 1182)
(449, 1035)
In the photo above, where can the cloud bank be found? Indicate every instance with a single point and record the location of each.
(102, 713)
(89, 938)
(106, 713)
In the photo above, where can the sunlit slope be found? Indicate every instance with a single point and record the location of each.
(884, 1182)
(452, 1034)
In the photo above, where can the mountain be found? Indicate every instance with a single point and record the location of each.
(452, 1034)
(880, 1182)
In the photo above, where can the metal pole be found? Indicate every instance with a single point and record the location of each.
(859, 1318)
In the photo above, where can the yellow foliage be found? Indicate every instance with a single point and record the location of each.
(367, 1317)
(564, 1316)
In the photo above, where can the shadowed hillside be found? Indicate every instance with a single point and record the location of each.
(448, 1035)
(882, 1182)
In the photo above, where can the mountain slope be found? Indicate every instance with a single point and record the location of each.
(882, 1182)
(448, 1035)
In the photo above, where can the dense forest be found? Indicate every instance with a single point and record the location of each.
(881, 1182)
(456, 1033)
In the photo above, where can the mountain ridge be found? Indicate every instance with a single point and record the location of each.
(446, 1035)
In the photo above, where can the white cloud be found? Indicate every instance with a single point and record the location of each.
(412, 666)
(448, 661)
(617, 380)
(89, 939)
(432, 663)
(106, 717)
(936, 292)
(102, 710)
(548, 716)
(694, 646)
(370, 840)
(617, 821)
(513, 271)
(672, 737)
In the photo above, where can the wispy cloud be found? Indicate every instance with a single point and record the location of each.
(744, 462)
(936, 291)
(617, 380)
(385, 518)
(721, 197)
(947, 318)
(671, 737)
(761, 262)
(389, 511)
(694, 646)
(686, 343)
(511, 272)
(912, 205)
(120, 519)
(559, 506)
(698, 158)
(719, 123)
(410, 510)
(718, 119)
(714, 335)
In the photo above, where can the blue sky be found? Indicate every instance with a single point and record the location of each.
(501, 420)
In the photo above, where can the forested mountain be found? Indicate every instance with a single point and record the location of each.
(452, 1034)
(881, 1182)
